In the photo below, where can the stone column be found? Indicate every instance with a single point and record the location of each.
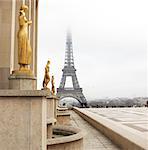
(51, 118)
(33, 33)
(33, 15)
(5, 41)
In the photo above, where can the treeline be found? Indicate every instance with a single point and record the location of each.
(118, 102)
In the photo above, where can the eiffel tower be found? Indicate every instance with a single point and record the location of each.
(70, 71)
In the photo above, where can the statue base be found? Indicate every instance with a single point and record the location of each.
(23, 72)
(46, 88)
(22, 80)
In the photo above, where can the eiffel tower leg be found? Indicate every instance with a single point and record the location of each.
(63, 80)
(75, 81)
(84, 105)
(82, 99)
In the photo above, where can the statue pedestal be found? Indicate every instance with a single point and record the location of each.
(23, 116)
(22, 82)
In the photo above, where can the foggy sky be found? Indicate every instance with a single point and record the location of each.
(109, 44)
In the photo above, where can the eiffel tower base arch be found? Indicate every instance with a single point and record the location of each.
(75, 93)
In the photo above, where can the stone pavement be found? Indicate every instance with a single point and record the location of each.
(134, 118)
(126, 126)
(93, 140)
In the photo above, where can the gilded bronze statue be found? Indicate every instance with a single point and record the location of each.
(46, 76)
(24, 48)
(53, 85)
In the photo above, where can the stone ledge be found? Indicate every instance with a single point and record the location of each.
(120, 136)
(32, 93)
(11, 77)
(50, 96)
(75, 134)
(62, 108)
(51, 121)
(63, 114)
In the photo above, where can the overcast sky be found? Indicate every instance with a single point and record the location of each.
(109, 44)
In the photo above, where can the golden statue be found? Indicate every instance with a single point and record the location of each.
(24, 48)
(53, 85)
(46, 76)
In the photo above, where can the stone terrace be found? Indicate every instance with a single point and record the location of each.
(93, 139)
(128, 126)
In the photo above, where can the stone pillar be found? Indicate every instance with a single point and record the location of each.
(51, 118)
(5, 41)
(33, 31)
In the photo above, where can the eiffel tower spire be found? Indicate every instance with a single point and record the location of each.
(69, 60)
